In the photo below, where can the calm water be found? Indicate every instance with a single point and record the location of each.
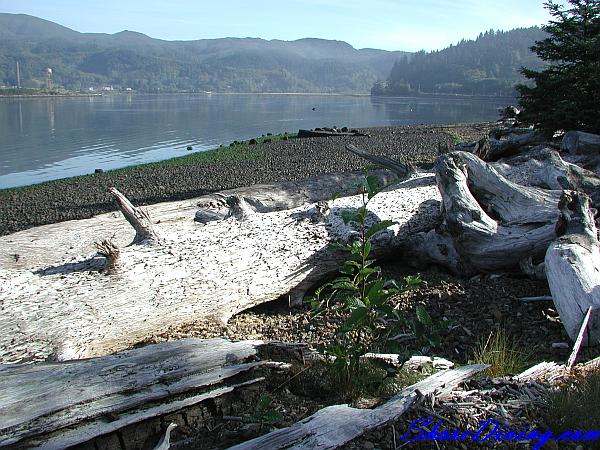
(48, 138)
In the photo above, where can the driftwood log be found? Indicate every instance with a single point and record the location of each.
(544, 167)
(288, 194)
(573, 267)
(490, 223)
(67, 241)
(179, 271)
(57, 405)
(328, 132)
(502, 144)
(401, 170)
(580, 143)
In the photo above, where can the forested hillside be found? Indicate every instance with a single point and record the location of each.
(489, 65)
(133, 60)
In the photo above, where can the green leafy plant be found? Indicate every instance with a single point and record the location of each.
(365, 297)
(426, 331)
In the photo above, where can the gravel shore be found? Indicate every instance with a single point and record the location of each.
(293, 159)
